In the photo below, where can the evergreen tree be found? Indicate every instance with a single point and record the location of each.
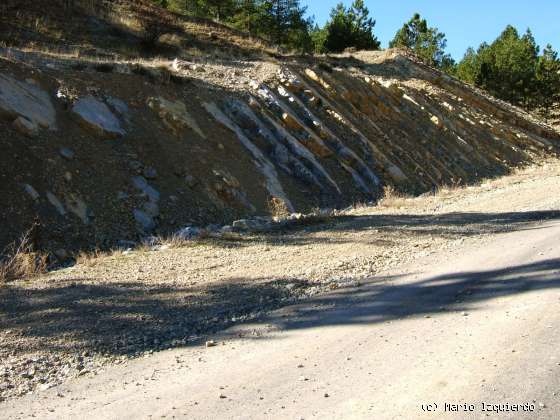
(510, 68)
(246, 16)
(318, 38)
(508, 65)
(548, 80)
(284, 22)
(350, 27)
(468, 68)
(427, 43)
(161, 3)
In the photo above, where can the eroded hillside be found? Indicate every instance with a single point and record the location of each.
(104, 149)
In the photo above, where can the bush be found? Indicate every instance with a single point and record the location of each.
(278, 208)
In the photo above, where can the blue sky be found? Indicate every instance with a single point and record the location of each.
(466, 23)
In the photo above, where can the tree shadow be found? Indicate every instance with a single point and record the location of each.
(117, 318)
(460, 291)
(449, 225)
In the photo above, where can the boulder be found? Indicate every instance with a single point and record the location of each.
(250, 225)
(61, 254)
(150, 173)
(27, 103)
(118, 105)
(188, 233)
(175, 115)
(26, 127)
(226, 229)
(97, 116)
(141, 184)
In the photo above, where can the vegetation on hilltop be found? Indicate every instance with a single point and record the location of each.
(512, 69)
(347, 28)
(427, 43)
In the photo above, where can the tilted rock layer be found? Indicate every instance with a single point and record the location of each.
(99, 157)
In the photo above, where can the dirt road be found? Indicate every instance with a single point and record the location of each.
(482, 328)
(473, 324)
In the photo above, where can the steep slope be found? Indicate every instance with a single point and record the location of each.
(106, 150)
(117, 29)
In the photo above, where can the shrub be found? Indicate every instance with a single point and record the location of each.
(20, 260)
(278, 208)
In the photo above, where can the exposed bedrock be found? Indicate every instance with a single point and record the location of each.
(104, 158)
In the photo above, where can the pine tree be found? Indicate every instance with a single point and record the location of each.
(469, 67)
(161, 3)
(350, 27)
(363, 27)
(548, 80)
(318, 38)
(508, 65)
(279, 17)
(510, 68)
(428, 43)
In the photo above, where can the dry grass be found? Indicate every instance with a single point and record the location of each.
(449, 190)
(91, 258)
(393, 198)
(174, 242)
(278, 208)
(203, 237)
(95, 257)
(21, 261)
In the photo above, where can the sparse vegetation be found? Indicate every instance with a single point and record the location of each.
(281, 22)
(178, 241)
(20, 260)
(392, 197)
(184, 150)
(278, 208)
(94, 257)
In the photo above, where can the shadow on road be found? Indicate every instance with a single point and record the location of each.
(383, 301)
(118, 317)
(387, 228)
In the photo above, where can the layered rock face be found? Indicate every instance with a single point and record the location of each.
(102, 157)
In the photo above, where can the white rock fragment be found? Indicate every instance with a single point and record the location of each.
(26, 100)
(97, 116)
